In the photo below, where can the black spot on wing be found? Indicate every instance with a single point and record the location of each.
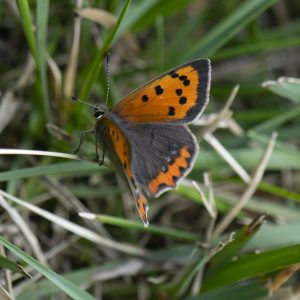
(158, 90)
(145, 98)
(173, 74)
(182, 100)
(178, 92)
(171, 111)
(186, 82)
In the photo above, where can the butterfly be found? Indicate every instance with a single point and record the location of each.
(147, 134)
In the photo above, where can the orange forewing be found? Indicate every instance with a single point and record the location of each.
(171, 98)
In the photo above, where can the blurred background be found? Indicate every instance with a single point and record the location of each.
(247, 173)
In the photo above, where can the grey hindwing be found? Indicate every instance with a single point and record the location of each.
(155, 147)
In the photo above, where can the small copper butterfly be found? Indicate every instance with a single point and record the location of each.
(146, 132)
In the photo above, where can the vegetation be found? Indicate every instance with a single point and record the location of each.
(69, 228)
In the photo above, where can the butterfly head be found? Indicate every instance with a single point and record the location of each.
(99, 111)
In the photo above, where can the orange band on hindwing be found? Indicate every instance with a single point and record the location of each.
(172, 174)
(142, 207)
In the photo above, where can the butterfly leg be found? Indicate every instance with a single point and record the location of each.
(82, 136)
(97, 150)
(102, 158)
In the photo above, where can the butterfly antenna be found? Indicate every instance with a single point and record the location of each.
(82, 101)
(107, 76)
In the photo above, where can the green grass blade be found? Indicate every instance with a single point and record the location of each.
(280, 148)
(60, 169)
(135, 13)
(44, 289)
(6, 263)
(274, 123)
(97, 63)
(257, 47)
(158, 230)
(287, 88)
(68, 287)
(240, 239)
(275, 236)
(281, 159)
(182, 286)
(249, 291)
(38, 50)
(28, 28)
(228, 28)
(42, 10)
(253, 265)
(278, 191)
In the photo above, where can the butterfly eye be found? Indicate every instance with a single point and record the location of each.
(98, 113)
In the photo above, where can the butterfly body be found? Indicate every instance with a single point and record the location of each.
(146, 132)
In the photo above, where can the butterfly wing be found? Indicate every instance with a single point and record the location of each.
(162, 155)
(120, 154)
(179, 96)
(146, 135)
